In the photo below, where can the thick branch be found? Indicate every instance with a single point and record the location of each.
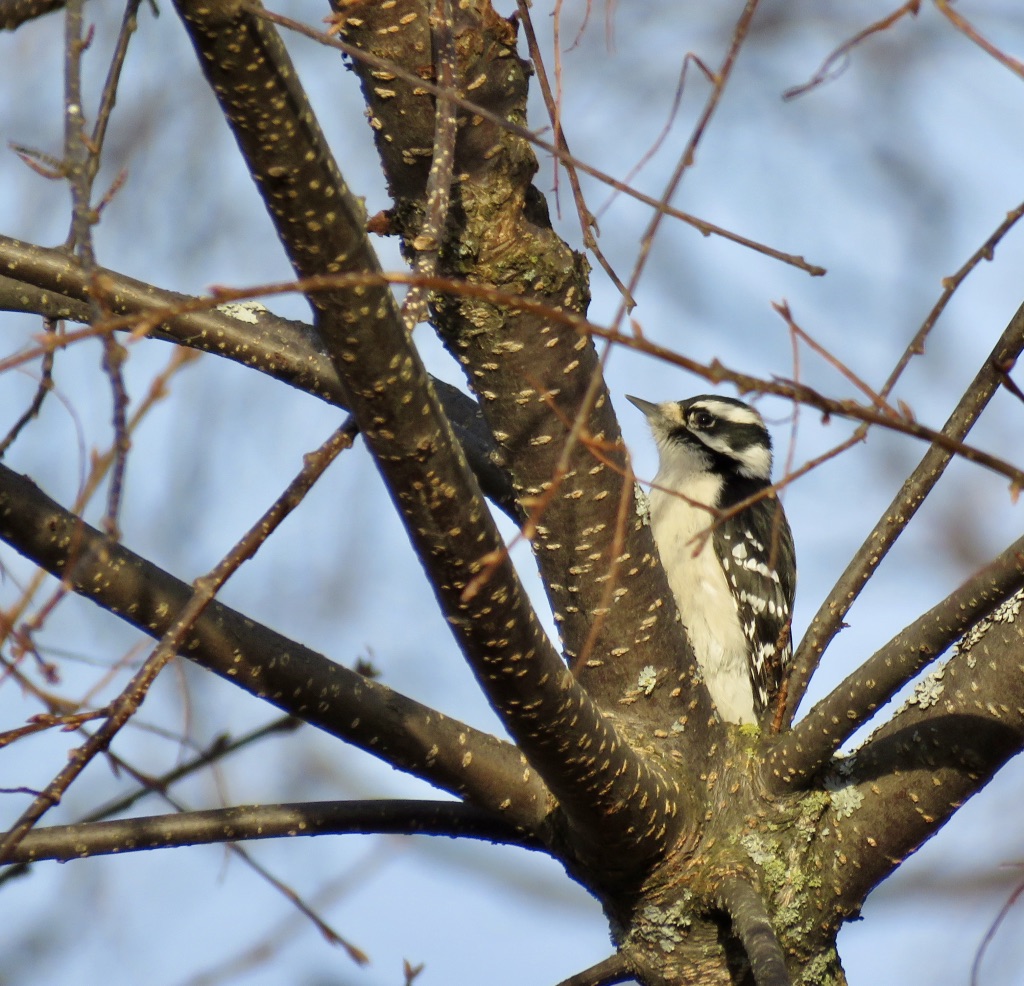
(614, 969)
(245, 822)
(963, 723)
(751, 925)
(538, 379)
(619, 805)
(800, 754)
(829, 618)
(14, 13)
(50, 283)
(297, 680)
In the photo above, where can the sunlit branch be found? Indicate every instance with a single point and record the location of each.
(964, 721)
(801, 753)
(52, 284)
(299, 681)
(830, 615)
(750, 923)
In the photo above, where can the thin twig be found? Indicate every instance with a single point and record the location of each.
(44, 387)
(991, 933)
(221, 747)
(686, 159)
(836, 62)
(949, 287)
(588, 224)
(967, 29)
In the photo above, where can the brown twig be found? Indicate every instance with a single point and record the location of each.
(830, 69)
(964, 26)
(588, 224)
(44, 387)
(686, 159)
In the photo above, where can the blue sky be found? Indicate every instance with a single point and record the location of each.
(890, 176)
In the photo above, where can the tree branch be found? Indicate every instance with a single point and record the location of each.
(801, 753)
(614, 969)
(963, 723)
(250, 822)
(201, 593)
(592, 772)
(52, 284)
(539, 381)
(750, 924)
(829, 618)
(409, 736)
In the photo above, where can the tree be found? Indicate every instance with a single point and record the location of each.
(718, 854)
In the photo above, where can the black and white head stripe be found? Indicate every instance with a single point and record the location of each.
(732, 429)
(732, 432)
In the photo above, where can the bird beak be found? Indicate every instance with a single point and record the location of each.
(651, 411)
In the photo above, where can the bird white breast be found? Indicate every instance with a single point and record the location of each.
(683, 536)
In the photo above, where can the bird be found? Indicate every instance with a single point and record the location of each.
(733, 575)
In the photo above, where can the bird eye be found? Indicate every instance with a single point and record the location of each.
(702, 420)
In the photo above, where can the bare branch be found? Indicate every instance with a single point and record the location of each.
(964, 722)
(249, 822)
(614, 969)
(52, 284)
(686, 159)
(222, 746)
(751, 925)
(800, 754)
(204, 589)
(299, 681)
(829, 618)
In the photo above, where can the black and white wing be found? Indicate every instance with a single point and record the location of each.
(756, 550)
